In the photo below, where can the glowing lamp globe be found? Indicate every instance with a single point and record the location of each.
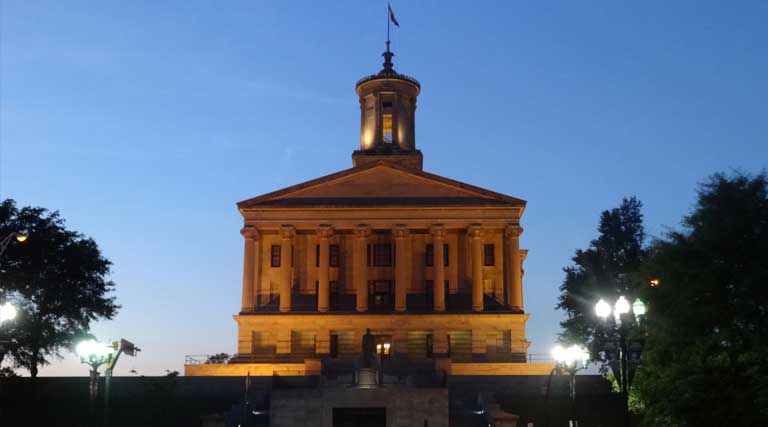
(559, 353)
(93, 350)
(602, 309)
(622, 305)
(7, 312)
(21, 237)
(638, 307)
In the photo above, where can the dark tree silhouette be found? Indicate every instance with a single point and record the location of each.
(57, 278)
(706, 356)
(606, 269)
(218, 358)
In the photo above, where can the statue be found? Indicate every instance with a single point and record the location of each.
(369, 350)
(365, 365)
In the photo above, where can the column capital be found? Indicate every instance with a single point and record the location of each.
(437, 230)
(249, 232)
(287, 231)
(324, 231)
(401, 231)
(475, 231)
(362, 231)
(513, 230)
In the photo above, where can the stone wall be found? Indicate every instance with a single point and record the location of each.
(405, 406)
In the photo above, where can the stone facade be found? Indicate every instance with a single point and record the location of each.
(432, 266)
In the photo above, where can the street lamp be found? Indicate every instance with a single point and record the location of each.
(622, 356)
(20, 237)
(571, 360)
(94, 354)
(382, 350)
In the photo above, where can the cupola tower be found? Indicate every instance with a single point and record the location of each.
(388, 117)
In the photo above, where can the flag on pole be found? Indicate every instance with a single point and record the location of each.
(392, 16)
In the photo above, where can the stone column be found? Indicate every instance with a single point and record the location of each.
(402, 264)
(438, 237)
(286, 232)
(476, 237)
(515, 274)
(360, 273)
(250, 268)
(323, 234)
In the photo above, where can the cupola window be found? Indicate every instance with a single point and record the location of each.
(387, 128)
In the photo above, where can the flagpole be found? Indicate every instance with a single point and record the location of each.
(388, 24)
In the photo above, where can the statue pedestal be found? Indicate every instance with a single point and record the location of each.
(367, 378)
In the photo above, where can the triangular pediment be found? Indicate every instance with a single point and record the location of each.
(381, 184)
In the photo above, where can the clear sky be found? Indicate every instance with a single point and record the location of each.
(145, 122)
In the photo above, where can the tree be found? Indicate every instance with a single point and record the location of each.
(218, 358)
(58, 279)
(604, 270)
(706, 356)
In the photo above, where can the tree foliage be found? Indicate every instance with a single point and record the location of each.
(605, 269)
(706, 355)
(57, 279)
(218, 358)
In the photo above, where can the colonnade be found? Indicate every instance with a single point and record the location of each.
(402, 235)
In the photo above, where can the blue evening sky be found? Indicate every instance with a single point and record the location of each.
(145, 122)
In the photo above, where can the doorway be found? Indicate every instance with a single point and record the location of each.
(359, 417)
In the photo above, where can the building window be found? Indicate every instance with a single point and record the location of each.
(382, 255)
(334, 346)
(430, 346)
(380, 294)
(489, 258)
(275, 256)
(445, 255)
(333, 255)
(386, 127)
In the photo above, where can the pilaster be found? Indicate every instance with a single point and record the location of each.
(402, 266)
(479, 341)
(283, 345)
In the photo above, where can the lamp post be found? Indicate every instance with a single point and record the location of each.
(20, 237)
(571, 360)
(382, 350)
(94, 354)
(623, 356)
